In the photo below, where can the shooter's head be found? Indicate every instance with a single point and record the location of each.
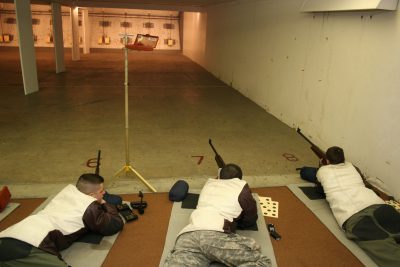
(335, 155)
(91, 184)
(230, 171)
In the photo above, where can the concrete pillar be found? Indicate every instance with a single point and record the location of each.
(86, 31)
(180, 30)
(26, 46)
(58, 36)
(75, 33)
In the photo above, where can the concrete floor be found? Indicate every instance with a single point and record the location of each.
(46, 138)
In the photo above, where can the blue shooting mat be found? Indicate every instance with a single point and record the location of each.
(180, 218)
(321, 209)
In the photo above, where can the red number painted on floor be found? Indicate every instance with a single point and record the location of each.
(200, 159)
(290, 157)
(91, 163)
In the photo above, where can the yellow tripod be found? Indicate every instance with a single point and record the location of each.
(128, 168)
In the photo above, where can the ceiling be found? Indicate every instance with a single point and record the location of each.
(177, 5)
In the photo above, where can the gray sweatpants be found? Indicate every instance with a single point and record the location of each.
(36, 258)
(376, 230)
(200, 248)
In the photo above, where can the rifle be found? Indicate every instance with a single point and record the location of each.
(98, 163)
(367, 184)
(317, 151)
(111, 198)
(218, 158)
(321, 155)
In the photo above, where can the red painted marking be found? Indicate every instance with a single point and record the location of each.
(200, 159)
(290, 157)
(91, 163)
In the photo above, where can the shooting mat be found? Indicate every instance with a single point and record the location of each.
(321, 209)
(10, 208)
(180, 218)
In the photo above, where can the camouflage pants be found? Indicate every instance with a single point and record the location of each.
(200, 248)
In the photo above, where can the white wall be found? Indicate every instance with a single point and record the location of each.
(194, 35)
(336, 75)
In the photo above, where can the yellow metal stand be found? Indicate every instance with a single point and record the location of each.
(128, 168)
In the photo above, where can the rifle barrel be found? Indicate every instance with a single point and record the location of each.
(305, 137)
(218, 158)
(213, 148)
(98, 163)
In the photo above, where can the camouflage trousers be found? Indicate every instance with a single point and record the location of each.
(200, 248)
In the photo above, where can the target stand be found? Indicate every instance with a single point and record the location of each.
(142, 43)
